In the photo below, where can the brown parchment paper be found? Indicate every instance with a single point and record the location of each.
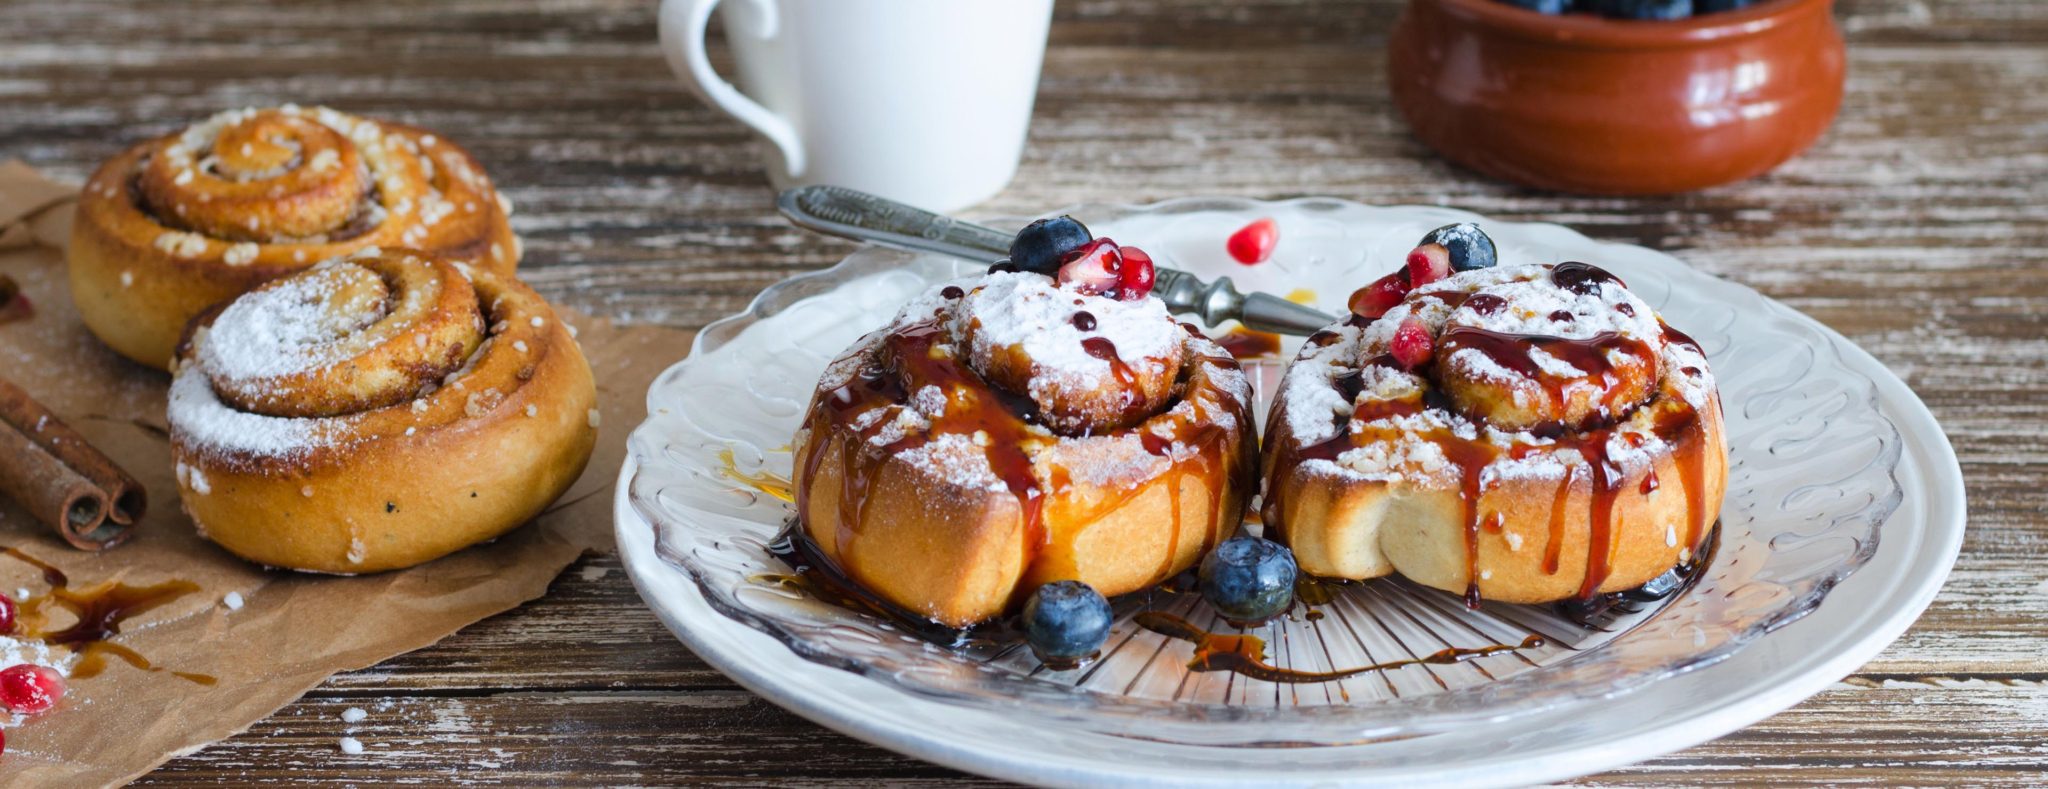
(293, 630)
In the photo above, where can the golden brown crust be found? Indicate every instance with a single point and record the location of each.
(396, 486)
(1115, 514)
(140, 271)
(1347, 526)
(1509, 464)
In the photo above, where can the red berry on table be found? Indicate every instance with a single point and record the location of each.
(1428, 263)
(28, 688)
(1253, 243)
(7, 612)
(1095, 269)
(1412, 346)
(1374, 300)
(1137, 276)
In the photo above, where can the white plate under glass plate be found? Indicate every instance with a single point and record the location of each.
(1828, 451)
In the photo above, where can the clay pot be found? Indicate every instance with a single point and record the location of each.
(1579, 103)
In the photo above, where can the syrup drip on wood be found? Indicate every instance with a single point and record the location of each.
(1244, 343)
(1245, 655)
(98, 613)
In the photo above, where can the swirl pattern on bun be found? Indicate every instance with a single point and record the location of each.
(172, 226)
(376, 412)
(1524, 434)
(1008, 433)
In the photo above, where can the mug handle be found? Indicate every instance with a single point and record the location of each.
(683, 24)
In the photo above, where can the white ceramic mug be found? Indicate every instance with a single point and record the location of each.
(921, 101)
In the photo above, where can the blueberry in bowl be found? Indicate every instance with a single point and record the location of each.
(1643, 9)
(1249, 580)
(1065, 622)
(1542, 6)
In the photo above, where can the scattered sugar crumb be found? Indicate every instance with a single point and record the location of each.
(353, 715)
(233, 600)
(351, 746)
(593, 573)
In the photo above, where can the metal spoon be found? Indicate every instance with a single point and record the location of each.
(849, 213)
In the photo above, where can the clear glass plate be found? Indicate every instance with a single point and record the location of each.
(1811, 482)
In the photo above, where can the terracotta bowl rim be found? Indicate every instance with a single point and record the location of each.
(1586, 31)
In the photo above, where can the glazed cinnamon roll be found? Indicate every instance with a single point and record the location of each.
(175, 225)
(1526, 434)
(376, 412)
(1009, 432)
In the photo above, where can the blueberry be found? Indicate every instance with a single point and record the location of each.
(1469, 246)
(1542, 6)
(1717, 6)
(1066, 622)
(1040, 245)
(1249, 580)
(1643, 9)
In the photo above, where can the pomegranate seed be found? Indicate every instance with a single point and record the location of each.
(1374, 300)
(29, 688)
(7, 611)
(1096, 268)
(1428, 263)
(1253, 243)
(1412, 346)
(1137, 276)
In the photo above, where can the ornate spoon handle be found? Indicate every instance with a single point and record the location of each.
(860, 216)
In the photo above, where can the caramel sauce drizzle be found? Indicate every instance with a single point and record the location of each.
(766, 482)
(1676, 422)
(1243, 343)
(99, 612)
(910, 358)
(1245, 655)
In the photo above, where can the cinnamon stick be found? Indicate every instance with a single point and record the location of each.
(63, 480)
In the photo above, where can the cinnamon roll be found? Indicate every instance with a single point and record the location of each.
(375, 412)
(1009, 432)
(175, 225)
(1526, 434)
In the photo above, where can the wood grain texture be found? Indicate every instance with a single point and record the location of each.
(1918, 227)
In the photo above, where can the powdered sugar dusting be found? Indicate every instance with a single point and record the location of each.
(281, 329)
(200, 420)
(1401, 448)
(1030, 312)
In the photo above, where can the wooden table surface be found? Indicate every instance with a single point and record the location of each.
(1917, 227)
